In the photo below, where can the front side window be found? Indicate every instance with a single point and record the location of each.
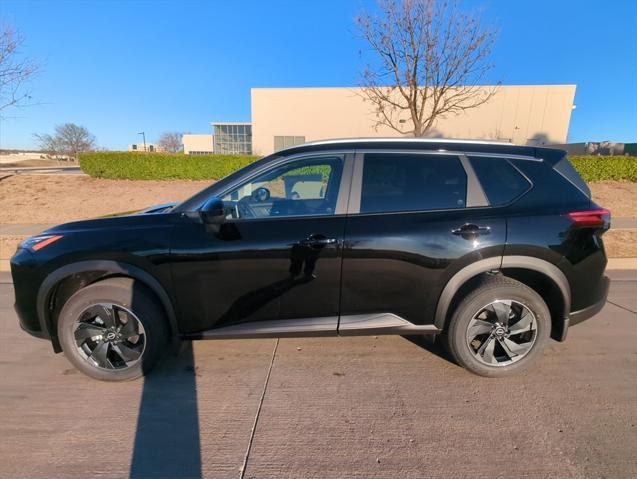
(300, 188)
(394, 182)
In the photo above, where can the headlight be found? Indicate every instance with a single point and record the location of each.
(35, 243)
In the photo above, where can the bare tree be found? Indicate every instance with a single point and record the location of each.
(69, 139)
(431, 59)
(15, 70)
(171, 141)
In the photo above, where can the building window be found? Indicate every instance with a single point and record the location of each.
(281, 142)
(134, 147)
(200, 152)
(232, 139)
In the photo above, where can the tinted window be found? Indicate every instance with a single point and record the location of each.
(501, 181)
(568, 171)
(299, 188)
(404, 182)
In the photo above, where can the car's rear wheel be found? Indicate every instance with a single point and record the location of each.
(498, 329)
(113, 330)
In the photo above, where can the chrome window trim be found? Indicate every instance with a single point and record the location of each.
(503, 155)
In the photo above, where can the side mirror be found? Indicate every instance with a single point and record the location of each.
(213, 211)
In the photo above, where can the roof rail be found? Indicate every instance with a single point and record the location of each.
(398, 140)
(404, 139)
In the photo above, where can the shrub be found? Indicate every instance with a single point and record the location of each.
(161, 166)
(600, 168)
(168, 166)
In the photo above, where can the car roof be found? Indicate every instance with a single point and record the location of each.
(429, 144)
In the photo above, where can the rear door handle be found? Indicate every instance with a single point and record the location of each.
(470, 229)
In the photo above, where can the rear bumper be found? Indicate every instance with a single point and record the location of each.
(583, 314)
(36, 334)
(560, 329)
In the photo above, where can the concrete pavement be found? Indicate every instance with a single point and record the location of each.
(327, 407)
(41, 170)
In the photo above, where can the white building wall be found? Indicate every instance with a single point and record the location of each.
(194, 144)
(525, 115)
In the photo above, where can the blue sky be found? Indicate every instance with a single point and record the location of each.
(120, 67)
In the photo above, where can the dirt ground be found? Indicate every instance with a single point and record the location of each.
(620, 197)
(63, 198)
(44, 199)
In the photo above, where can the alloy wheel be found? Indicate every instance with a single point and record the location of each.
(502, 332)
(109, 336)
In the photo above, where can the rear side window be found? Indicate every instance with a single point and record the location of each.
(501, 181)
(568, 171)
(395, 182)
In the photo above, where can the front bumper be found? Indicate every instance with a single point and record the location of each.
(26, 282)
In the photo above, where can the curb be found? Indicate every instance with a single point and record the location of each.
(616, 264)
(621, 263)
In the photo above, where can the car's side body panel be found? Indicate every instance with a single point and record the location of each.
(106, 246)
(255, 270)
(400, 263)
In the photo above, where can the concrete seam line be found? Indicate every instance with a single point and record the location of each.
(256, 417)
(622, 307)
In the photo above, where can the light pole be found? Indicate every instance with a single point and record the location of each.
(144, 138)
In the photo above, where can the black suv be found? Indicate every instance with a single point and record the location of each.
(493, 247)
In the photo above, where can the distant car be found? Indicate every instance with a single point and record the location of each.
(492, 247)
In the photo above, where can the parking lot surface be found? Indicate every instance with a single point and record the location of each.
(326, 407)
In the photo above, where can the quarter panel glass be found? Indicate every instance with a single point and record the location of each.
(501, 181)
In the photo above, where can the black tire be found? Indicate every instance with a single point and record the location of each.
(498, 290)
(129, 296)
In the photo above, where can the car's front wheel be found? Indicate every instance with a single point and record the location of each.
(113, 330)
(498, 329)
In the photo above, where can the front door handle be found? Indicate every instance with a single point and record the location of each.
(318, 241)
(470, 230)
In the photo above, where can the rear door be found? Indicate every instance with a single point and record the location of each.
(415, 219)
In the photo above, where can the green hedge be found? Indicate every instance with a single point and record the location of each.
(161, 166)
(167, 166)
(600, 168)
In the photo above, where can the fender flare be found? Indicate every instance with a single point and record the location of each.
(108, 267)
(497, 263)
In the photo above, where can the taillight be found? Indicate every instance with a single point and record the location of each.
(591, 218)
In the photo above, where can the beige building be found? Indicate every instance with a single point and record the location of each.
(197, 144)
(525, 115)
(283, 117)
(148, 147)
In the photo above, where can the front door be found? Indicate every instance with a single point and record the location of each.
(277, 255)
